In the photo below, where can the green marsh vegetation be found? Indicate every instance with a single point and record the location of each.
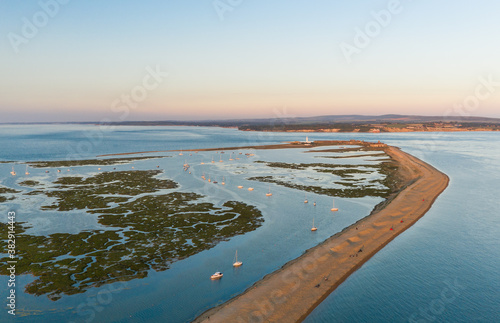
(4, 191)
(90, 162)
(141, 231)
(96, 192)
(29, 183)
(355, 185)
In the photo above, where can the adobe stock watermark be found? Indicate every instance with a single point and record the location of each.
(482, 92)
(293, 278)
(224, 6)
(11, 263)
(122, 106)
(96, 304)
(364, 36)
(139, 93)
(40, 19)
(438, 305)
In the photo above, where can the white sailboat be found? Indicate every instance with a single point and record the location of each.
(13, 173)
(27, 172)
(269, 193)
(213, 160)
(313, 227)
(236, 263)
(333, 209)
(305, 197)
(223, 181)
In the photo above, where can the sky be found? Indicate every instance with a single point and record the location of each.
(75, 60)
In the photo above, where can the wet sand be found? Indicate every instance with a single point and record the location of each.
(292, 292)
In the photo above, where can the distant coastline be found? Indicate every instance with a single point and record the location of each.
(378, 130)
(327, 124)
(292, 292)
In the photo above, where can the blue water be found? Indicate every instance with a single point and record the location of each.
(446, 268)
(455, 243)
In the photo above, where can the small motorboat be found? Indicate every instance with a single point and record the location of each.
(217, 275)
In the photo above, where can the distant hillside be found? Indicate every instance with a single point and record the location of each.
(319, 120)
(341, 121)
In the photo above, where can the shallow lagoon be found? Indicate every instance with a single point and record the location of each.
(184, 287)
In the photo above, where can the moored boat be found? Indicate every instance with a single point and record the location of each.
(217, 275)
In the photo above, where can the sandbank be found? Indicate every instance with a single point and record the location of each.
(292, 292)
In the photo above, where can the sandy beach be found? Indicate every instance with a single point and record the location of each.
(292, 292)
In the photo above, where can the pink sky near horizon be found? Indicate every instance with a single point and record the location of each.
(262, 60)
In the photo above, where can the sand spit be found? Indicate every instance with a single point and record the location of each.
(292, 292)
(284, 145)
(135, 153)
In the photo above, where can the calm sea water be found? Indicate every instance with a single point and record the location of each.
(444, 269)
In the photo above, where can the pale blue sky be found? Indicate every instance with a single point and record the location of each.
(265, 58)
